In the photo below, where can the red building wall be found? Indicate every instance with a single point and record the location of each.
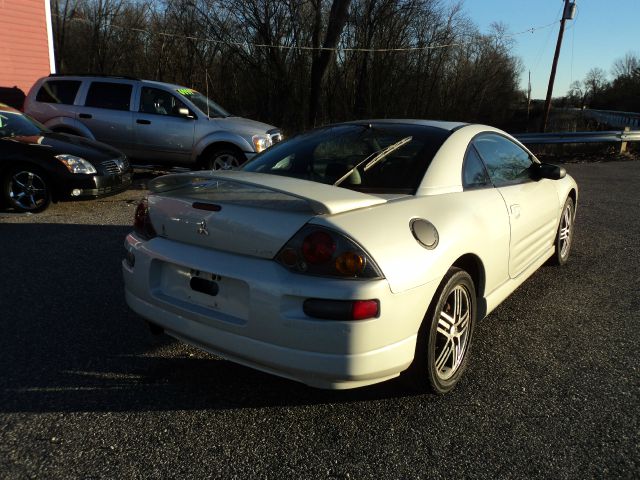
(26, 51)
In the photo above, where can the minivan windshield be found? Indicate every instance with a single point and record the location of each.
(204, 104)
(380, 158)
(19, 125)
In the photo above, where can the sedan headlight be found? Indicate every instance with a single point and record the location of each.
(76, 164)
(261, 142)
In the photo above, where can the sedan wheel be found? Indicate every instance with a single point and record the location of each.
(444, 339)
(26, 190)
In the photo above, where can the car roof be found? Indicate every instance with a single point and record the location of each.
(171, 86)
(441, 124)
(90, 76)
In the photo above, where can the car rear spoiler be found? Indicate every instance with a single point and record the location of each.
(323, 199)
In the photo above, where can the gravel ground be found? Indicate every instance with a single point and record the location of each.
(85, 392)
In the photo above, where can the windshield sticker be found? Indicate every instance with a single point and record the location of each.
(186, 91)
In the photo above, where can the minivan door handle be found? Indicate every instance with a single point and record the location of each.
(143, 122)
(85, 115)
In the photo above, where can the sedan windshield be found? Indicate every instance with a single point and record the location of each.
(204, 104)
(382, 158)
(18, 125)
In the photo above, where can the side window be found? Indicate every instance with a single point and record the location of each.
(474, 175)
(114, 96)
(159, 102)
(58, 91)
(506, 162)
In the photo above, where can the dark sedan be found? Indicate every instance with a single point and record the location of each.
(38, 166)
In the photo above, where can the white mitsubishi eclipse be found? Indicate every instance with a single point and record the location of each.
(350, 254)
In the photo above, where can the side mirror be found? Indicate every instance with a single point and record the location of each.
(547, 170)
(184, 112)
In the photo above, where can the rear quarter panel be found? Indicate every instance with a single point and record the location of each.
(474, 222)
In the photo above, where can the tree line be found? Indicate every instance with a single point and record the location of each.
(300, 63)
(596, 91)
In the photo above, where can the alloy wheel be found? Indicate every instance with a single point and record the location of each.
(566, 230)
(224, 161)
(452, 337)
(27, 190)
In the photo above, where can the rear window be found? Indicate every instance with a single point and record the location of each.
(114, 96)
(382, 158)
(58, 91)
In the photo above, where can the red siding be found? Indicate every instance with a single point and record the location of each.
(24, 49)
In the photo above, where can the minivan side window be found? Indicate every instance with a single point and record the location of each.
(58, 91)
(506, 162)
(114, 96)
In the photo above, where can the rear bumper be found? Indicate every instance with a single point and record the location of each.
(273, 334)
(321, 370)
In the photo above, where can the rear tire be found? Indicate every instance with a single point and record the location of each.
(26, 189)
(444, 338)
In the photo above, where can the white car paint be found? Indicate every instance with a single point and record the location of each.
(259, 321)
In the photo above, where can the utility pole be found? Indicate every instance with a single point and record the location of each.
(567, 14)
(528, 100)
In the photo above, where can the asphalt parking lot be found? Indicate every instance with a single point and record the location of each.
(86, 392)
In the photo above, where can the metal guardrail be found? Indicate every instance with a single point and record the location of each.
(579, 137)
(614, 118)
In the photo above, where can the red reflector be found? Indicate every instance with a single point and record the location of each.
(363, 309)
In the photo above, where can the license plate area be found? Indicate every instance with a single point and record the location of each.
(202, 285)
(207, 293)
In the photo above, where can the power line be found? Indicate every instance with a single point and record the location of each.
(307, 48)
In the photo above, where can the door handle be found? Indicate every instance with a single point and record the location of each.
(515, 211)
(143, 122)
(85, 115)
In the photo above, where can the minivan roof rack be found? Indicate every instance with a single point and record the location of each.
(124, 77)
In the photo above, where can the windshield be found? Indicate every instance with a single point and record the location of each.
(385, 158)
(204, 104)
(19, 125)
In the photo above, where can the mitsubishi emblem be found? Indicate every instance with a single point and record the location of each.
(202, 228)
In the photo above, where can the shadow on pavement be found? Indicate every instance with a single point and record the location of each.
(69, 343)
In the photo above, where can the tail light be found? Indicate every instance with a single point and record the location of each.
(318, 247)
(142, 222)
(320, 251)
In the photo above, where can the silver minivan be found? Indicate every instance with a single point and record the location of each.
(149, 121)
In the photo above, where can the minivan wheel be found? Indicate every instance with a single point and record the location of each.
(26, 189)
(223, 159)
(444, 338)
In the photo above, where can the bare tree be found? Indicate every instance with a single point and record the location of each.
(626, 66)
(577, 94)
(595, 81)
(321, 58)
(381, 58)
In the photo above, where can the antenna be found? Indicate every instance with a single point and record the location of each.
(206, 80)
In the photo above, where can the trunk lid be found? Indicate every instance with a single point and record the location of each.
(242, 212)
